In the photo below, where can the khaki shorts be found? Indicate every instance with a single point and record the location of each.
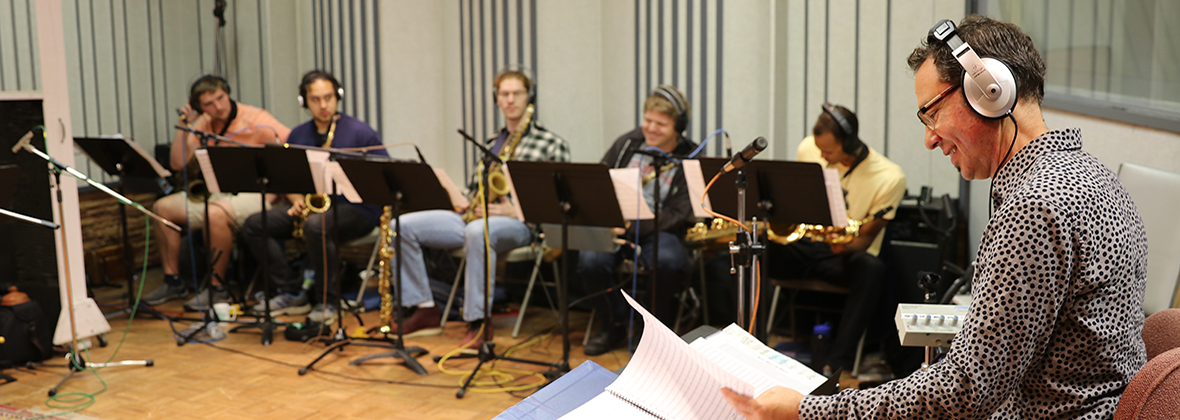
(239, 207)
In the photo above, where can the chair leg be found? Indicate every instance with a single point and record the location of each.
(528, 294)
(589, 324)
(700, 263)
(367, 274)
(773, 310)
(451, 299)
(860, 348)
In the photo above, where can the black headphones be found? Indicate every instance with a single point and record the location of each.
(988, 83)
(530, 81)
(678, 102)
(849, 141)
(314, 75)
(194, 101)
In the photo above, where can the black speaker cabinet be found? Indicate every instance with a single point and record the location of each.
(915, 246)
(27, 252)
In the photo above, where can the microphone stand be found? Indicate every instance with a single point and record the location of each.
(744, 252)
(487, 352)
(211, 257)
(76, 363)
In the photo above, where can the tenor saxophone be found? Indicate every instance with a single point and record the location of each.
(315, 203)
(385, 269)
(497, 181)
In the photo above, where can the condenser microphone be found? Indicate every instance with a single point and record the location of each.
(746, 155)
(24, 141)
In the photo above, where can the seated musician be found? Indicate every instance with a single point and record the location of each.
(665, 117)
(320, 93)
(211, 110)
(871, 183)
(1053, 330)
(514, 92)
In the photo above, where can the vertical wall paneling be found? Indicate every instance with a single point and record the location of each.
(129, 62)
(490, 31)
(672, 46)
(344, 29)
(18, 48)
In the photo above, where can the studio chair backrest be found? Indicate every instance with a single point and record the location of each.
(1154, 392)
(1161, 332)
(1156, 193)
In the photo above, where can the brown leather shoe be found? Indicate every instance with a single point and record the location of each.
(473, 339)
(423, 322)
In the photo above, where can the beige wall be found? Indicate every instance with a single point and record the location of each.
(852, 52)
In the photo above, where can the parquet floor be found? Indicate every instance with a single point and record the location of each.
(238, 378)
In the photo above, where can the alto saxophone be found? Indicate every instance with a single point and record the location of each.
(315, 203)
(196, 190)
(385, 269)
(497, 181)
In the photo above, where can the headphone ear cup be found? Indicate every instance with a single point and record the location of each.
(992, 108)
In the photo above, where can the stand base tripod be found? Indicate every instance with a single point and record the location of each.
(398, 350)
(75, 363)
(487, 353)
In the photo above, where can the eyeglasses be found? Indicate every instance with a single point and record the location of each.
(927, 119)
(507, 94)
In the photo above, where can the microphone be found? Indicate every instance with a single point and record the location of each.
(746, 155)
(24, 141)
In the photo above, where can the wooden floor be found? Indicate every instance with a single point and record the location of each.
(237, 377)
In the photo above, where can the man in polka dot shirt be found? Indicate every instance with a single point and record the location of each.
(1054, 327)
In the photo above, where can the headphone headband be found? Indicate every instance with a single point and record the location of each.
(194, 101)
(310, 77)
(988, 83)
(845, 126)
(678, 103)
(530, 81)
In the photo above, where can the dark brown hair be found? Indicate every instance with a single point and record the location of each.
(989, 38)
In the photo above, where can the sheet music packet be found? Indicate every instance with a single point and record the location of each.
(670, 379)
(694, 176)
(626, 182)
(835, 197)
(335, 173)
(207, 171)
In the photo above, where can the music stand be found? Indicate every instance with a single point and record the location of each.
(401, 187)
(772, 189)
(250, 169)
(565, 194)
(121, 156)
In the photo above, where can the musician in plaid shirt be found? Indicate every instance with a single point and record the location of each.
(514, 91)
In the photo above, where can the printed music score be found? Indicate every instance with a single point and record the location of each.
(670, 379)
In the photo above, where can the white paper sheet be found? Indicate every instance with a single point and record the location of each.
(670, 379)
(207, 171)
(835, 197)
(626, 182)
(343, 185)
(317, 160)
(696, 187)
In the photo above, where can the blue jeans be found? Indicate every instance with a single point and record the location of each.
(445, 230)
(597, 270)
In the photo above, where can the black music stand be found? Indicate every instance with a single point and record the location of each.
(557, 193)
(402, 187)
(773, 190)
(122, 157)
(250, 169)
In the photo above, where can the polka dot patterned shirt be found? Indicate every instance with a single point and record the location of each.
(1053, 331)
